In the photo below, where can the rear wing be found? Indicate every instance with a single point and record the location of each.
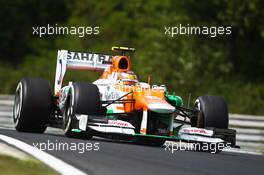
(79, 61)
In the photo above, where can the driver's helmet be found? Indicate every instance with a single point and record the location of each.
(128, 78)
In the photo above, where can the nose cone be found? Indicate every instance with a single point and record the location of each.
(163, 108)
(153, 102)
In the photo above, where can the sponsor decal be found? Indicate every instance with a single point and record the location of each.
(118, 123)
(89, 57)
(112, 95)
(197, 131)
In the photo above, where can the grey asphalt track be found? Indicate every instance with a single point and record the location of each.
(122, 158)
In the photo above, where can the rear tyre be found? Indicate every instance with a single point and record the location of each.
(32, 105)
(213, 112)
(83, 98)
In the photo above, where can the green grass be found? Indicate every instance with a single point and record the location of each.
(12, 166)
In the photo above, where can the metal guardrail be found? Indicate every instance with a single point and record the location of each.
(250, 129)
(6, 100)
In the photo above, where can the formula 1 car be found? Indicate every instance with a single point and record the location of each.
(117, 105)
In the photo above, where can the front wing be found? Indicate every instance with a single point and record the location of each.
(102, 126)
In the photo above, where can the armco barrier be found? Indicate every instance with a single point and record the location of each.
(250, 131)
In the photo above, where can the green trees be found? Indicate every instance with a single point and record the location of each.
(224, 65)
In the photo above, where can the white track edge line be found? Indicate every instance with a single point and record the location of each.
(236, 150)
(8, 128)
(243, 152)
(53, 162)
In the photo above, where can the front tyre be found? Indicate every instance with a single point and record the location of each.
(83, 98)
(32, 105)
(213, 112)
